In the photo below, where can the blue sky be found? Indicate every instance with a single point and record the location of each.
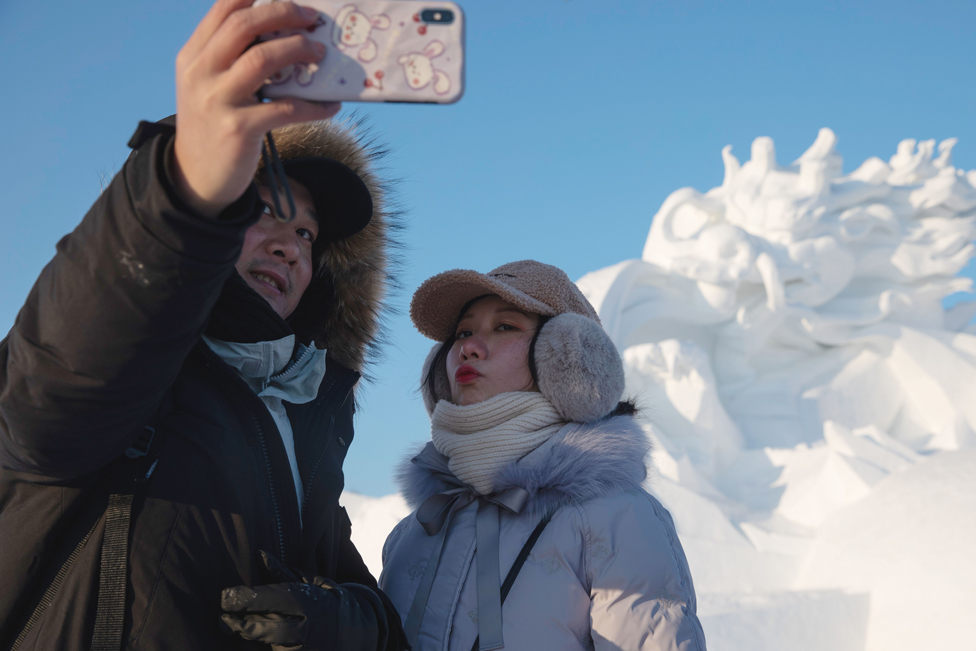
(580, 117)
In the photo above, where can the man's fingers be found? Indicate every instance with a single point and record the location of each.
(221, 123)
(281, 598)
(250, 71)
(287, 110)
(267, 629)
(240, 28)
(237, 599)
(209, 24)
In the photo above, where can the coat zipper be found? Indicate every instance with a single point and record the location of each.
(265, 454)
(279, 526)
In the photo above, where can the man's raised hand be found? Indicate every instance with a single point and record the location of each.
(220, 123)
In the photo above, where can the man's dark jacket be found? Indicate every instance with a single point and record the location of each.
(107, 344)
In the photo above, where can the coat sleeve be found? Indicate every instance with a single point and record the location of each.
(641, 592)
(355, 576)
(111, 318)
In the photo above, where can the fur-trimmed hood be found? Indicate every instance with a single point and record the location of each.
(579, 463)
(342, 307)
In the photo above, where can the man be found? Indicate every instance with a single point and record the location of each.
(177, 394)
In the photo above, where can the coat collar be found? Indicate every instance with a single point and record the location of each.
(579, 463)
(275, 368)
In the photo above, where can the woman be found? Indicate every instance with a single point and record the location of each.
(531, 456)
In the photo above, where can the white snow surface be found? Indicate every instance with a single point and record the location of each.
(810, 400)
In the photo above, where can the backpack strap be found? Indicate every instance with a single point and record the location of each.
(519, 562)
(110, 613)
(80, 531)
(111, 496)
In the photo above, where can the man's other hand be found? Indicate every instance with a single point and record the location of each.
(220, 123)
(297, 611)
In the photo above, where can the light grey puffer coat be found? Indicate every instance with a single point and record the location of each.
(607, 573)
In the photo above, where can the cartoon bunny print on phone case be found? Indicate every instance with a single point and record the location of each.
(302, 72)
(369, 43)
(353, 28)
(420, 71)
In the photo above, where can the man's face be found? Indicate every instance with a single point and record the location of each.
(276, 260)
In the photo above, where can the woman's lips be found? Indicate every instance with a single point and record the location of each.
(466, 374)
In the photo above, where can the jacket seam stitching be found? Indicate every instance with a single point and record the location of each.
(671, 543)
(587, 535)
(685, 582)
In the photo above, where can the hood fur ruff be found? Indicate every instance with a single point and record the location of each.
(583, 462)
(361, 265)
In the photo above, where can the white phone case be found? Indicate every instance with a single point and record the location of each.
(378, 51)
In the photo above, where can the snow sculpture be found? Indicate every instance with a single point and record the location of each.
(786, 336)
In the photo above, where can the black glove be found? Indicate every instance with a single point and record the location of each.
(299, 612)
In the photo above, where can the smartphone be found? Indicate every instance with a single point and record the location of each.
(378, 51)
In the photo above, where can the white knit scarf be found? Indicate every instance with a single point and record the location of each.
(479, 439)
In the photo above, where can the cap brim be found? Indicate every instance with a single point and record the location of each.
(342, 201)
(437, 303)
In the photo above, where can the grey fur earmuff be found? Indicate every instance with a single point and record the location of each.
(578, 367)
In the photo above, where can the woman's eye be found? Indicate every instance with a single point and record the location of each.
(306, 234)
(505, 326)
(462, 334)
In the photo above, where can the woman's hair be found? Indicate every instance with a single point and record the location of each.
(440, 359)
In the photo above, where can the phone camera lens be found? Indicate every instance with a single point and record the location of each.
(437, 16)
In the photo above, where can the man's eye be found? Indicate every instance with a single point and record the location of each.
(266, 209)
(305, 233)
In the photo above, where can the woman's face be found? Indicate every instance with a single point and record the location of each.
(491, 354)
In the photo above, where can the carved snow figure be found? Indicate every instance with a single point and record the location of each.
(419, 70)
(810, 397)
(353, 28)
